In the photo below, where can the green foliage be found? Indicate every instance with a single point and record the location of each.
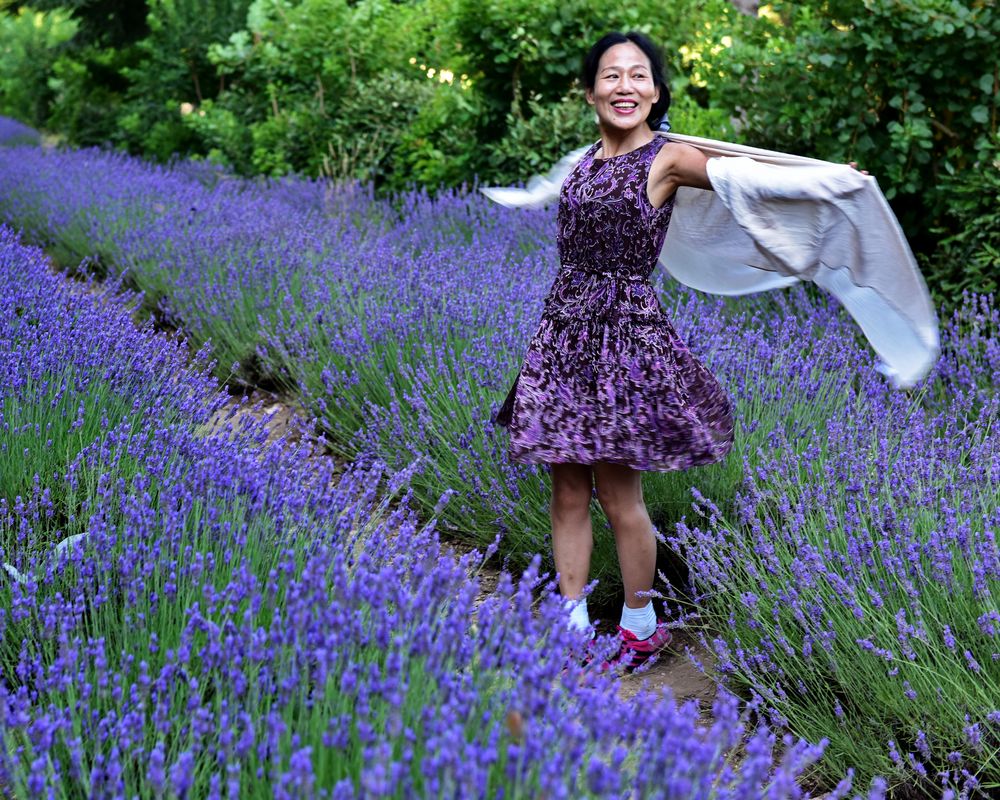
(315, 86)
(429, 92)
(461, 89)
(692, 119)
(174, 70)
(969, 259)
(527, 50)
(524, 49)
(535, 141)
(30, 40)
(86, 94)
(85, 76)
(221, 133)
(909, 90)
(435, 148)
(102, 23)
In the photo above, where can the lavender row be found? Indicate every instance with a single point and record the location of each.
(231, 622)
(13, 132)
(858, 576)
(400, 325)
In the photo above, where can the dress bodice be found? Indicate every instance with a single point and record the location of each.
(606, 222)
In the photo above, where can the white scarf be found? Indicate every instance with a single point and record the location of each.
(775, 219)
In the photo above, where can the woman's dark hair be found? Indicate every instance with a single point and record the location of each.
(652, 52)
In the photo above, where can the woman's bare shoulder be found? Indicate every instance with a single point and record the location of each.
(672, 151)
(679, 164)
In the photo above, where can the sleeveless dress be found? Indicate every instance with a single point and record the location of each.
(606, 378)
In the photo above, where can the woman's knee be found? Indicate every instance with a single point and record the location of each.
(623, 510)
(620, 495)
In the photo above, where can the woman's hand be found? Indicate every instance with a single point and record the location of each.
(854, 165)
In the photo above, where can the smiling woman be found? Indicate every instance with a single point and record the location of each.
(626, 82)
(607, 388)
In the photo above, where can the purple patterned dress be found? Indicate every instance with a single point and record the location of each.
(606, 377)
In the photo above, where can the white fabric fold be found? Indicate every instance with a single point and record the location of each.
(775, 219)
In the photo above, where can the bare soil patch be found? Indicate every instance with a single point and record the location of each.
(282, 417)
(675, 670)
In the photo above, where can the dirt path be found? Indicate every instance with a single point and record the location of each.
(674, 670)
(283, 418)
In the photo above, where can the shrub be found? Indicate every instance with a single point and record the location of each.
(968, 258)
(173, 73)
(908, 90)
(31, 42)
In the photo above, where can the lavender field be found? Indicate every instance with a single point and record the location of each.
(190, 611)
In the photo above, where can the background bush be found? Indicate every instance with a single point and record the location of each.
(440, 92)
(174, 67)
(968, 258)
(29, 41)
(87, 78)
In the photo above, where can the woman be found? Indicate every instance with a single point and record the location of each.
(607, 388)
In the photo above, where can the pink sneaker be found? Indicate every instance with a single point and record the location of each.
(635, 652)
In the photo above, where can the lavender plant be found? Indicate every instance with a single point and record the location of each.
(400, 325)
(233, 622)
(75, 380)
(13, 132)
(854, 585)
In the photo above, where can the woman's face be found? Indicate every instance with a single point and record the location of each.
(624, 91)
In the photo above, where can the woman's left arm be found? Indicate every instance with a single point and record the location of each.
(676, 165)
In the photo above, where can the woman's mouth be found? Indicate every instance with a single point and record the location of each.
(624, 106)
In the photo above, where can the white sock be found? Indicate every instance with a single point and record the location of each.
(579, 618)
(641, 621)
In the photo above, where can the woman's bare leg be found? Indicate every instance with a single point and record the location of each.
(619, 491)
(572, 534)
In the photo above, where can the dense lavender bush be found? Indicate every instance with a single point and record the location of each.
(232, 622)
(855, 584)
(13, 133)
(400, 325)
(79, 382)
